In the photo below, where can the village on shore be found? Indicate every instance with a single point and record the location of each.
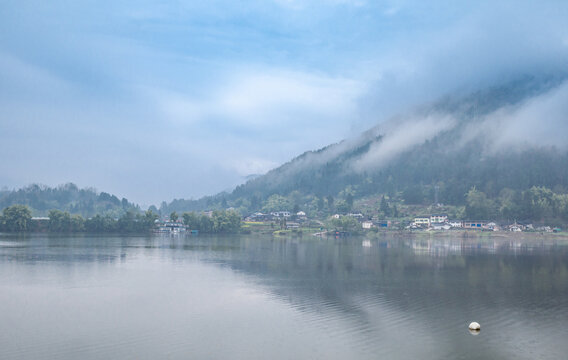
(358, 222)
(230, 221)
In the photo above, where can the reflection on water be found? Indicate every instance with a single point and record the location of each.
(247, 297)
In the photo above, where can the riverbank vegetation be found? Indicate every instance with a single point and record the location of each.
(17, 218)
(215, 222)
(537, 204)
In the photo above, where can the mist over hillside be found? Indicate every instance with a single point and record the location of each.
(506, 143)
(508, 136)
(505, 121)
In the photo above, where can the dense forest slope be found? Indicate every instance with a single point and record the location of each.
(430, 147)
(502, 141)
(85, 202)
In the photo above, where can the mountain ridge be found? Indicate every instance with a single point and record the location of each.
(451, 145)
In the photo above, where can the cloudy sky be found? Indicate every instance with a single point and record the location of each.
(155, 100)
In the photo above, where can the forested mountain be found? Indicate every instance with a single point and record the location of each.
(501, 141)
(430, 147)
(85, 202)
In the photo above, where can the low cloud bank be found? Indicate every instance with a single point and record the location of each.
(540, 121)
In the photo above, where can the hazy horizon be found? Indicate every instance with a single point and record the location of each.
(159, 101)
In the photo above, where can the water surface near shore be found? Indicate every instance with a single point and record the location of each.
(239, 297)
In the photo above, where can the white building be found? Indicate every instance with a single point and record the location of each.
(280, 214)
(438, 218)
(356, 215)
(422, 221)
(455, 223)
(492, 226)
(367, 224)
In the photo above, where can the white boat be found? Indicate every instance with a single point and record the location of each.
(170, 227)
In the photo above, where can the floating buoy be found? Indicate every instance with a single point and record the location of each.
(474, 326)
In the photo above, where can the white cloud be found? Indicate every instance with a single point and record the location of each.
(288, 96)
(402, 137)
(267, 99)
(541, 121)
(240, 87)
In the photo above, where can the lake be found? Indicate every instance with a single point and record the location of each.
(239, 297)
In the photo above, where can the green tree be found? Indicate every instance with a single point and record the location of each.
(346, 223)
(295, 211)
(509, 201)
(341, 207)
(349, 201)
(205, 224)
(320, 203)
(255, 202)
(330, 205)
(277, 203)
(413, 194)
(100, 224)
(395, 213)
(191, 219)
(226, 221)
(221, 221)
(128, 223)
(540, 201)
(149, 220)
(384, 207)
(59, 221)
(154, 209)
(16, 218)
(479, 206)
(77, 223)
(173, 216)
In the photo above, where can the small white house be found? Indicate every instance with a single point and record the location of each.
(280, 214)
(356, 215)
(423, 221)
(455, 224)
(438, 218)
(492, 226)
(479, 225)
(367, 224)
(515, 228)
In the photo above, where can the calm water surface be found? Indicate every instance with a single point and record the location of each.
(263, 298)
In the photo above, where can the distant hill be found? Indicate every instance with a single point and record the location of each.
(428, 147)
(497, 140)
(85, 202)
(506, 142)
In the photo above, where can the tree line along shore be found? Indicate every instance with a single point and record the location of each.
(18, 218)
